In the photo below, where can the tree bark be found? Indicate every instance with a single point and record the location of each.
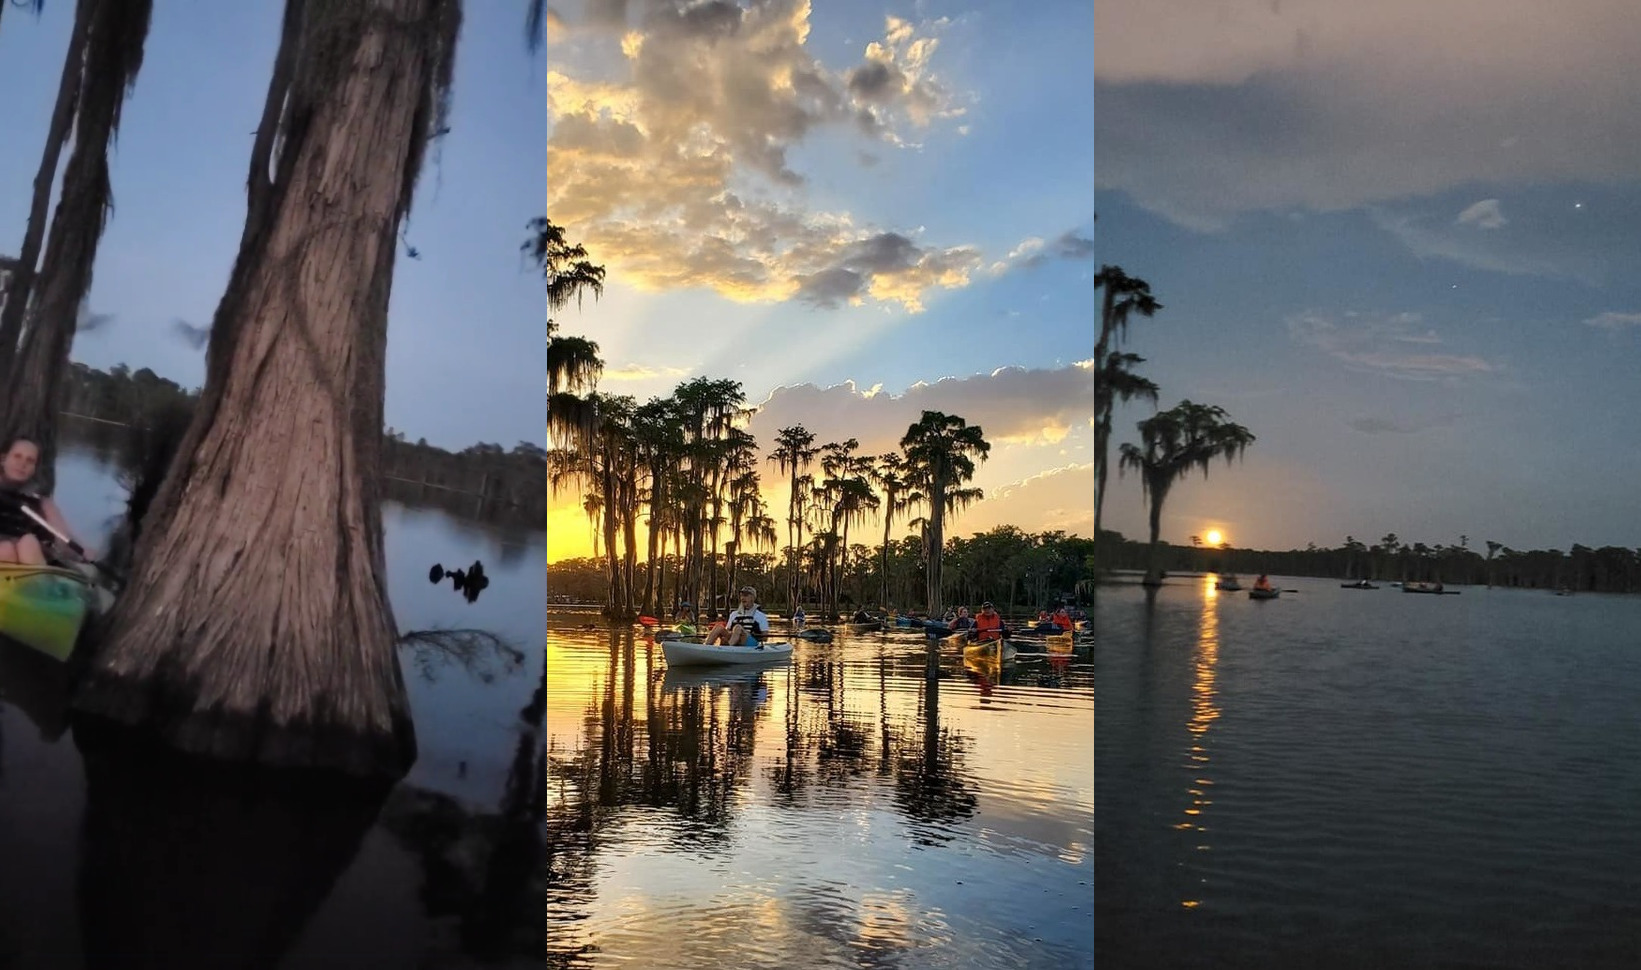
(21, 283)
(256, 624)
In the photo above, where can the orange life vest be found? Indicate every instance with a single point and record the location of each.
(988, 627)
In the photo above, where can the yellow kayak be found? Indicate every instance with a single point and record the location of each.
(988, 650)
(43, 607)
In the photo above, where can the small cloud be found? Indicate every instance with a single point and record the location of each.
(640, 372)
(1614, 321)
(1033, 251)
(1486, 214)
(1369, 344)
(1374, 425)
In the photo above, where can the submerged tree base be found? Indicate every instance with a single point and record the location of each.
(190, 864)
(164, 707)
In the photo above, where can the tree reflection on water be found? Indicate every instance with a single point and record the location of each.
(689, 756)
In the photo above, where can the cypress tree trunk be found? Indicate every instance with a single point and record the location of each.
(113, 56)
(256, 624)
(21, 283)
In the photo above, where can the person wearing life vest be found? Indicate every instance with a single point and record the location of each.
(988, 625)
(1263, 582)
(745, 626)
(1062, 620)
(21, 536)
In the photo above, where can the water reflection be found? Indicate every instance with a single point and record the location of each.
(683, 767)
(190, 864)
(107, 853)
(1204, 712)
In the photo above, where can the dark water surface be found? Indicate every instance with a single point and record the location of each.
(831, 812)
(1345, 778)
(110, 860)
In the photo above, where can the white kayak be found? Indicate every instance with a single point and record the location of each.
(680, 654)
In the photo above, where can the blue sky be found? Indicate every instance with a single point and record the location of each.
(755, 227)
(465, 348)
(1402, 245)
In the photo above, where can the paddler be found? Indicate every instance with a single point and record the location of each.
(1263, 582)
(684, 620)
(988, 625)
(746, 625)
(20, 536)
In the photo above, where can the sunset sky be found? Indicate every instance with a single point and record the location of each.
(465, 351)
(859, 211)
(1401, 243)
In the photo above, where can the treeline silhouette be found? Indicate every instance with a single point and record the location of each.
(1608, 569)
(484, 480)
(1007, 565)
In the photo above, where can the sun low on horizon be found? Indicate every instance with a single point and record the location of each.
(1215, 537)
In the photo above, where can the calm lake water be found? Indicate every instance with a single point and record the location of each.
(1343, 778)
(100, 868)
(835, 811)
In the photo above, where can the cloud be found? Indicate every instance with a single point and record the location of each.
(1486, 214)
(641, 372)
(1549, 239)
(1369, 344)
(889, 267)
(1614, 321)
(668, 153)
(1012, 405)
(554, 24)
(1332, 106)
(1033, 252)
(1375, 425)
(1060, 498)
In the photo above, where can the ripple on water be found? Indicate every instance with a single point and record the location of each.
(1392, 784)
(829, 812)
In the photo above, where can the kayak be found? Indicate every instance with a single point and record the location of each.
(1264, 594)
(680, 654)
(43, 607)
(988, 651)
(871, 627)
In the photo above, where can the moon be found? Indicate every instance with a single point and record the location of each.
(1214, 537)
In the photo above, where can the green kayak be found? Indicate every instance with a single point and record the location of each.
(43, 607)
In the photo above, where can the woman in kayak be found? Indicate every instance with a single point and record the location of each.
(746, 625)
(19, 534)
(684, 620)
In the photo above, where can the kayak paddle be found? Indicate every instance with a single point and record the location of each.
(73, 546)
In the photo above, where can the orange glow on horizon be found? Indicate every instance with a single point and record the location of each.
(1215, 537)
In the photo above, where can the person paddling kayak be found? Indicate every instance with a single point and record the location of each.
(1263, 582)
(745, 626)
(988, 625)
(20, 536)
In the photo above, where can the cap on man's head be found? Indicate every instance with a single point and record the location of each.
(748, 591)
(986, 605)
